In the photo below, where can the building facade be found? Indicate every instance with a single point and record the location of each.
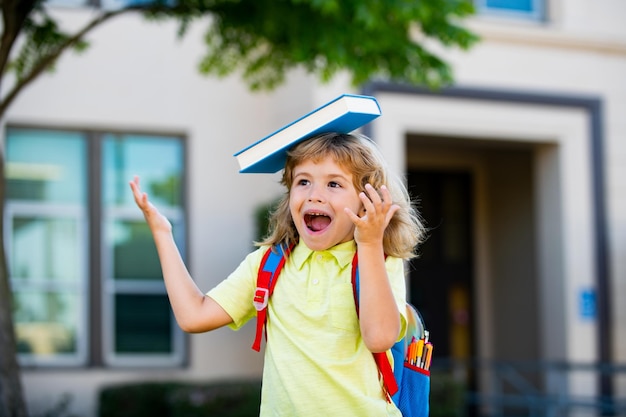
(519, 170)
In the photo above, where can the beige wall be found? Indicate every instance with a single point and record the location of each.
(139, 76)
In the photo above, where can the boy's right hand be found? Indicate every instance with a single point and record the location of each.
(156, 221)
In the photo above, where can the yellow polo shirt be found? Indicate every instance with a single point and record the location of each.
(316, 363)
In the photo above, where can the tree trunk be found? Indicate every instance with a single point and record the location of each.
(12, 402)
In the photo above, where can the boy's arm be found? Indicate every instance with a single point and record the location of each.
(194, 311)
(379, 318)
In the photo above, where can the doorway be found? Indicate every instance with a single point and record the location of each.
(476, 281)
(441, 278)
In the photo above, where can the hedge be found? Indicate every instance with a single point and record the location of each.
(233, 399)
(178, 399)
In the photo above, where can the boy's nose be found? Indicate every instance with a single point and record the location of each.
(315, 198)
(316, 195)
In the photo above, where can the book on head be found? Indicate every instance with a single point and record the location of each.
(343, 114)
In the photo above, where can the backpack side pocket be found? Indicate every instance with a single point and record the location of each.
(413, 396)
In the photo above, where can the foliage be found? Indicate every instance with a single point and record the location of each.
(267, 38)
(447, 395)
(233, 398)
(42, 36)
(264, 39)
(367, 38)
(174, 399)
(262, 219)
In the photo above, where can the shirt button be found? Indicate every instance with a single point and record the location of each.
(316, 281)
(320, 257)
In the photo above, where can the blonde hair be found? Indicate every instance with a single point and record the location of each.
(359, 156)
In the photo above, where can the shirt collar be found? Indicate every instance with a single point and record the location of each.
(343, 253)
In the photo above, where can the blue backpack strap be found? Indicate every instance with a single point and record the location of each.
(269, 270)
(381, 358)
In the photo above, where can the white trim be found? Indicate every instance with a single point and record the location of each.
(545, 129)
(80, 287)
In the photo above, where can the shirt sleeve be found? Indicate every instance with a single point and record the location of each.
(235, 294)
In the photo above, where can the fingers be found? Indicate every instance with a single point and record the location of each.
(156, 221)
(375, 202)
(378, 207)
(134, 186)
(141, 198)
(379, 210)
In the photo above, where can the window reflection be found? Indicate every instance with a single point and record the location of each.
(513, 9)
(521, 5)
(45, 249)
(139, 305)
(46, 166)
(134, 252)
(62, 186)
(46, 321)
(143, 324)
(157, 161)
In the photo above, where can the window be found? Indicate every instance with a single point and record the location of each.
(519, 9)
(102, 4)
(85, 275)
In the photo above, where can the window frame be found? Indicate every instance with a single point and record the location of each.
(95, 344)
(110, 288)
(15, 209)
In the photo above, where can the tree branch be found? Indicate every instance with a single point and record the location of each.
(46, 61)
(14, 13)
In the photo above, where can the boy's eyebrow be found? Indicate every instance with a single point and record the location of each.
(329, 175)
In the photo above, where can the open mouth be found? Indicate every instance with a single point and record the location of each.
(316, 222)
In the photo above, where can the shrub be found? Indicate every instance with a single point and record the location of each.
(234, 399)
(177, 399)
(447, 395)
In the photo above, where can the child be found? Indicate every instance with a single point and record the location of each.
(340, 199)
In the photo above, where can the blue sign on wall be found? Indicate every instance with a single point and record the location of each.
(587, 304)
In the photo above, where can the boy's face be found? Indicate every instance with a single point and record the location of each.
(319, 194)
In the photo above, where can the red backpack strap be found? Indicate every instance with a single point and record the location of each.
(381, 358)
(269, 270)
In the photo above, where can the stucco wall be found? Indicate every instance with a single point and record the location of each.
(138, 76)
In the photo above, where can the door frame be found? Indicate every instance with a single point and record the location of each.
(398, 101)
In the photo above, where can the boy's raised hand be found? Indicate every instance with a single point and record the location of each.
(156, 221)
(379, 209)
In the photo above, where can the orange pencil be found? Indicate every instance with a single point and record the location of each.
(410, 352)
(418, 353)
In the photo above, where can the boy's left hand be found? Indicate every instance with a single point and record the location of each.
(379, 209)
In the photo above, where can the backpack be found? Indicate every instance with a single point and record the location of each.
(407, 386)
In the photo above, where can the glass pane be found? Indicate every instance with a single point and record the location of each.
(67, 3)
(134, 253)
(44, 165)
(120, 4)
(46, 249)
(517, 5)
(46, 322)
(158, 161)
(143, 324)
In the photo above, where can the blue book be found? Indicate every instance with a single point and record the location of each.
(344, 114)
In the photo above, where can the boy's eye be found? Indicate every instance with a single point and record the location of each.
(334, 184)
(302, 182)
